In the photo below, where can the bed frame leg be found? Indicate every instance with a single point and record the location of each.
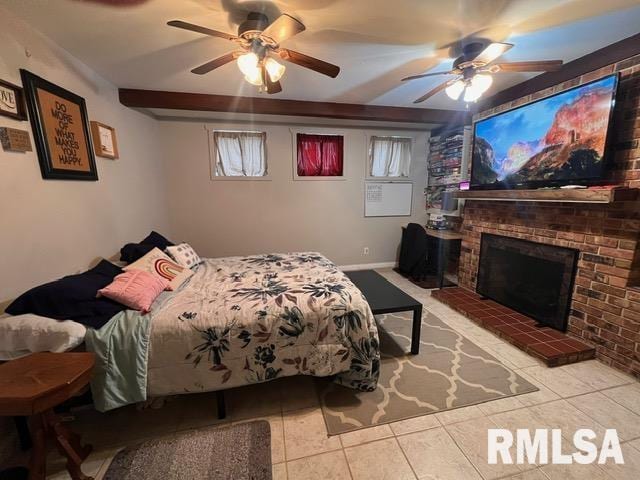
(222, 410)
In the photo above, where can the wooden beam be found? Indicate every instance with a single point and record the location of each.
(298, 108)
(608, 55)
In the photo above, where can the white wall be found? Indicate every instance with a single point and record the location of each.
(52, 228)
(221, 218)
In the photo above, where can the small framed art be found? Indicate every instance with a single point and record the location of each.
(60, 130)
(12, 101)
(104, 140)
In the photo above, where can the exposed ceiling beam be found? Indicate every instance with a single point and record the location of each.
(269, 106)
(616, 52)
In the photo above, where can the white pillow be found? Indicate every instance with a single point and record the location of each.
(162, 265)
(21, 335)
(184, 255)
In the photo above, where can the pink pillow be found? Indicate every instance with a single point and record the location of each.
(137, 289)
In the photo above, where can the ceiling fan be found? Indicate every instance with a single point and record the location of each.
(473, 69)
(258, 43)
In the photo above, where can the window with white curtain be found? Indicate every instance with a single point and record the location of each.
(390, 156)
(239, 154)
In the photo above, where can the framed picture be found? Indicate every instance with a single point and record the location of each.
(60, 130)
(104, 140)
(12, 101)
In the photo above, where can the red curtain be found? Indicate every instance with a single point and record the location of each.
(319, 155)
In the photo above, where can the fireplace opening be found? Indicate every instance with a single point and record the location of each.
(532, 278)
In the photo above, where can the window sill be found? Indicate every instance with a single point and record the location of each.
(316, 179)
(241, 179)
(388, 179)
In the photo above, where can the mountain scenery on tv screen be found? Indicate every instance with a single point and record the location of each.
(559, 139)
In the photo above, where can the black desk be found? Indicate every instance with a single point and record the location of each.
(384, 297)
(443, 250)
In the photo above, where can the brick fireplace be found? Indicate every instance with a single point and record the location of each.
(605, 307)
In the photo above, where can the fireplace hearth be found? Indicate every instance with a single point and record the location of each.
(532, 278)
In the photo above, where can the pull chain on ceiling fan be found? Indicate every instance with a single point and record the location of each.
(473, 71)
(258, 43)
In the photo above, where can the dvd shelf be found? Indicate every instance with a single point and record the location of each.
(446, 165)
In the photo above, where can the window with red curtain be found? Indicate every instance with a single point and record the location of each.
(320, 155)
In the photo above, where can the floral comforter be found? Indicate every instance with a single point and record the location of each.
(242, 320)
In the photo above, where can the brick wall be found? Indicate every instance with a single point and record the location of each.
(606, 299)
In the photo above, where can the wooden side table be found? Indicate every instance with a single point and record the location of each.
(32, 386)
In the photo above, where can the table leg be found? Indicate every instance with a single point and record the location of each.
(415, 331)
(69, 445)
(444, 253)
(38, 460)
(22, 425)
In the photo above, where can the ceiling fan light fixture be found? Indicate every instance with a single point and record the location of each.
(254, 79)
(476, 86)
(481, 82)
(471, 94)
(455, 89)
(248, 64)
(274, 69)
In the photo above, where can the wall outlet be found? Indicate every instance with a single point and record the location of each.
(365, 251)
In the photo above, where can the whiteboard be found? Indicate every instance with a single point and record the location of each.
(386, 199)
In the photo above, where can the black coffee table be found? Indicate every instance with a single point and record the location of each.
(385, 297)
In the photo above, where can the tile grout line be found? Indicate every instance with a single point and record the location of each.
(284, 440)
(346, 459)
(463, 452)
(404, 454)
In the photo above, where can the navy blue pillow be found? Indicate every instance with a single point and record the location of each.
(157, 240)
(133, 251)
(72, 297)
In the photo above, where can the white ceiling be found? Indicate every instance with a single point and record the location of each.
(376, 42)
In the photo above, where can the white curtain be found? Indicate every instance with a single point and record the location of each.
(390, 156)
(240, 154)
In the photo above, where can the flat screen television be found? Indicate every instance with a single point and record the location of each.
(555, 141)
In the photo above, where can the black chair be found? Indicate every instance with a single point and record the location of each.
(413, 252)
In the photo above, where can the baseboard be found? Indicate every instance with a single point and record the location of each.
(367, 266)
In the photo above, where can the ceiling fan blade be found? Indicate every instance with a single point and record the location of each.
(311, 63)
(199, 29)
(492, 52)
(213, 64)
(284, 27)
(432, 92)
(413, 77)
(540, 66)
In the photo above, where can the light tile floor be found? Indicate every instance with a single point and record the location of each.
(447, 445)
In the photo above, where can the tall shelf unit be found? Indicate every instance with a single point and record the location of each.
(447, 165)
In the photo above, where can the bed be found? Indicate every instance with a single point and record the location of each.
(238, 321)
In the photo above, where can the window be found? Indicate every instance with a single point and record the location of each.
(390, 156)
(319, 155)
(239, 154)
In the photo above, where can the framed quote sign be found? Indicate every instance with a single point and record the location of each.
(60, 130)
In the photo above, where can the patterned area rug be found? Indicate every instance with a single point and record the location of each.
(241, 452)
(449, 372)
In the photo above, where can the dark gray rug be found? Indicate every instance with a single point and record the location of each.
(240, 451)
(449, 372)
